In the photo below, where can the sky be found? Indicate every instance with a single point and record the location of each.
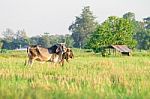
(55, 16)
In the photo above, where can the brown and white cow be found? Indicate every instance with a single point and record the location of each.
(52, 54)
(56, 54)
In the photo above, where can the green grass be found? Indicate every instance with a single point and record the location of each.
(87, 76)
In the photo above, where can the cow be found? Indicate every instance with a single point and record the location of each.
(52, 54)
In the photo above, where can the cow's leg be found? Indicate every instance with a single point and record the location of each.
(30, 62)
(61, 62)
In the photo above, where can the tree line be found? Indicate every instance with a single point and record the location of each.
(12, 40)
(125, 30)
(88, 33)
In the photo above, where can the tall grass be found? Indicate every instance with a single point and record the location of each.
(87, 76)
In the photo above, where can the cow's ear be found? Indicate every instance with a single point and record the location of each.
(67, 50)
(70, 50)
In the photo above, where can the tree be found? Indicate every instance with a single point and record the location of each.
(143, 39)
(1, 44)
(113, 31)
(21, 34)
(47, 40)
(21, 39)
(13, 40)
(8, 34)
(69, 40)
(83, 27)
(147, 22)
(141, 30)
(129, 15)
(143, 34)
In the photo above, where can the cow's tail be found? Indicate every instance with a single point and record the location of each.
(28, 49)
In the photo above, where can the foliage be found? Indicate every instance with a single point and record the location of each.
(147, 22)
(44, 40)
(49, 40)
(112, 32)
(143, 39)
(129, 15)
(9, 34)
(143, 34)
(13, 40)
(69, 40)
(1, 44)
(3, 50)
(86, 33)
(82, 28)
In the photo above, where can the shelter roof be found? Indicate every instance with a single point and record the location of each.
(121, 48)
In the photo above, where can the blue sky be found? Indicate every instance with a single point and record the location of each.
(55, 16)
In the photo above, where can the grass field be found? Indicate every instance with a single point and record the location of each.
(87, 76)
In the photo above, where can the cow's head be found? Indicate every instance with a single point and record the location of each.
(61, 48)
(68, 54)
